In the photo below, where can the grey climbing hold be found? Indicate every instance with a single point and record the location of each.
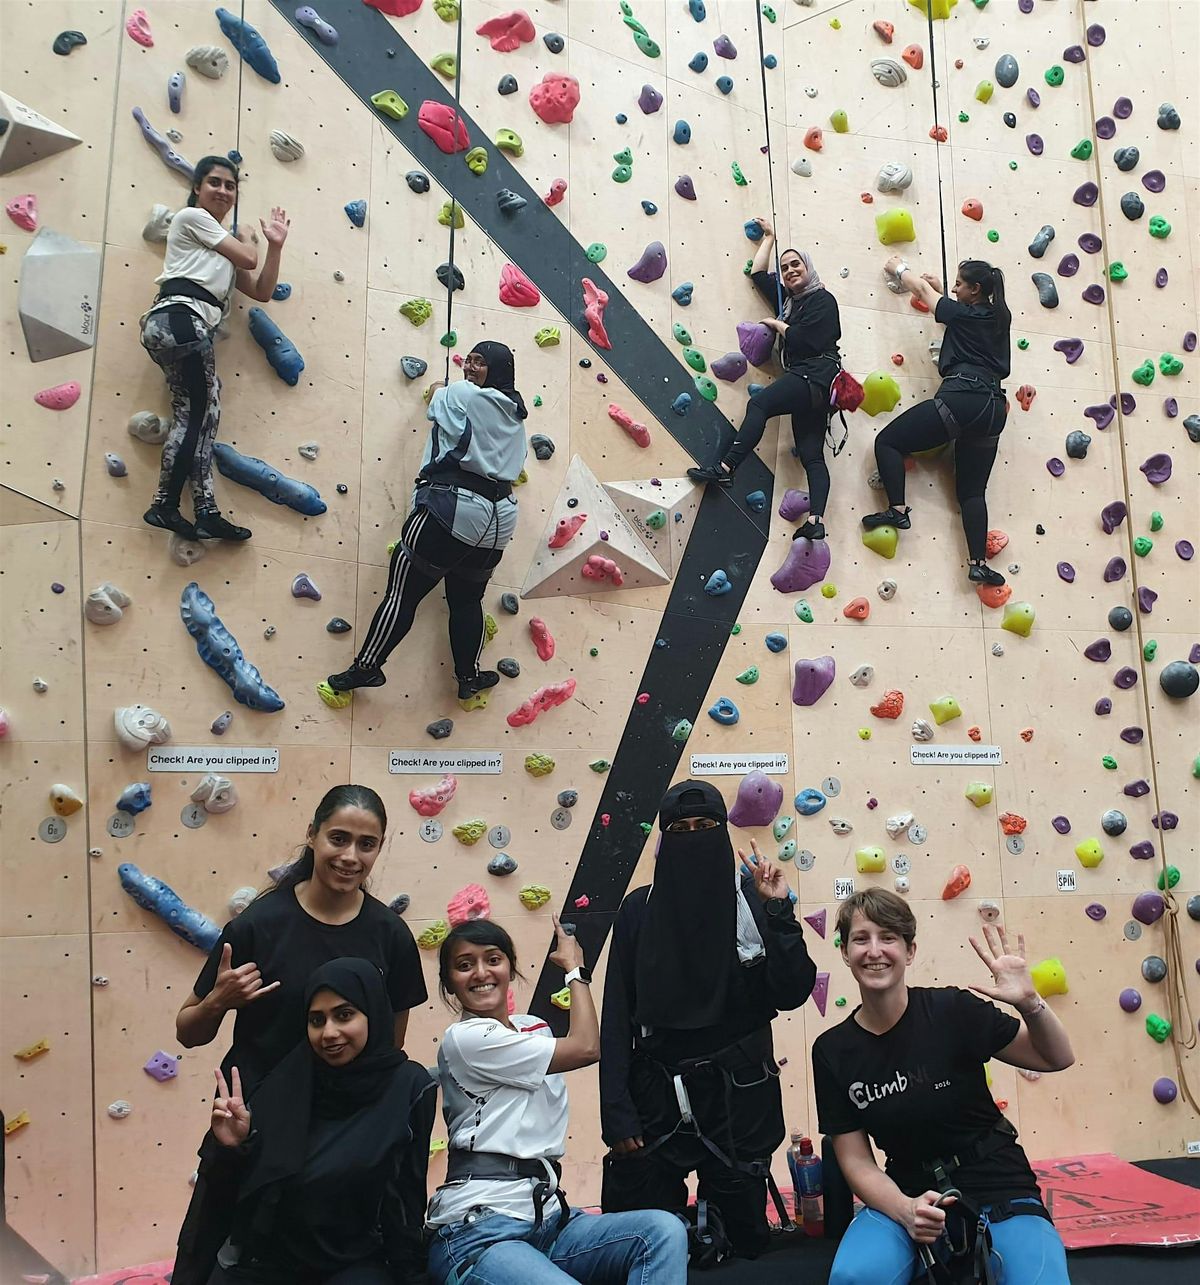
(308, 17)
(510, 603)
(209, 60)
(27, 136)
(1047, 290)
(303, 586)
(1007, 71)
(417, 181)
(284, 147)
(400, 903)
(1126, 158)
(115, 465)
(440, 728)
(413, 367)
(451, 277)
(59, 292)
(338, 626)
(509, 667)
(1132, 206)
(1179, 679)
(507, 85)
(1077, 444)
(501, 864)
(175, 85)
(541, 446)
(1114, 822)
(308, 450)
(1168, 117)
(65, 41)
(554, 42)
(509, 201)
(1041, 242)
(568, 798)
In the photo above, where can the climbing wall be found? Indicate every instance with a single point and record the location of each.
(1059, 727)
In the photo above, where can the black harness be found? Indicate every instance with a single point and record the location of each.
(966, 379)
(189, 289)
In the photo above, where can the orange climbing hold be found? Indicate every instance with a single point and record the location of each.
(897, 359)
(958, 883)
(939, 133)
(975, 734)
(884, 30)
(542, 638)
(996, 541)
(595, 301)
(867, 198)
(918, 304)
(891, 704)
(857, 609)
(994, 595)
(516, 289)
(1012, 823)
(639, 432)
(973, 209)
(1027, 734)
(813, 140)
(1025, 395)
(914, 55)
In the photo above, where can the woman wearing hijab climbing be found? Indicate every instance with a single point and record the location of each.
(968, 408)
(203, 264)
(463, 515)
(501, 1218)
(809, 327)
(328, 1157)
(701, 962)
(906, 1071)
(318, 909)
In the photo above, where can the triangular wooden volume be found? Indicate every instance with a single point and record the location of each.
(662, 512)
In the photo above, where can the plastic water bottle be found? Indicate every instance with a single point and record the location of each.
(793, 1157)
(806, 1177)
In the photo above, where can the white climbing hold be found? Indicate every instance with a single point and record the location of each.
(900, 822)
(922, 730)
(862, 676)
(138, 727)
(840, 825)
(309, 450)
(41, 686)
(886, 589)
(209, 60)
(284, 146)
(802, 166)
(901, 884)
(119, 1109)
(895, 176)
(146, 426)
(997, 649)
(888, 72)
(184, 552)
(105, 604)
(216, 793)
(241, 898)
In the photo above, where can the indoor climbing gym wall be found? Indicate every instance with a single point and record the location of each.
(1025, 753)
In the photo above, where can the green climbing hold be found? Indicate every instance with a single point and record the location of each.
(645, 828)
(626, 8)
(1082, 151)
(1149, 649)
(548, 337)
(470, 832)
(656, 520)
(1144, 374)
(738, 177)
(622, 174)
(646, 45)
(737, 629)
(748, 677)
(1055, 76)
(1159, 228)
(447, 10)
(594, 652)
(418, 311)
(477, 160)
(623, 157)
(963, 118)
(840, 1002)
(537, 401)
(695, 359)
(706, 388)
(1109, 763)
(840, 121)
(508, 140)
(1171, 880)
(1022, 344)
(599, 766)
(445, 65)
(993, 235)
(681, 333)
(390, 103)
(631, 22)
(1142, 545)
(984, 91)
(449, 339)
(1117, 271)
(682, 730)
(768, 13)
(749, 267)
(597, 252)
(1169, 365)
(451, 211)
(1156, 521)
(1012, 165)
(804, 611)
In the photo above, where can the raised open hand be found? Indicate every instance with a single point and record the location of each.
(1010, 971)
(230, 1116)
(276, 228)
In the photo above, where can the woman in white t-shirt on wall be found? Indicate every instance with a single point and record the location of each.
(203, 263)
(501, 1218)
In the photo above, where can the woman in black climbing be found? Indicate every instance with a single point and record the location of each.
(463, 515)
(202, 265)
(968, 408)
(328, 1157)
(809, 327)
(906, 1071)
(318, 909)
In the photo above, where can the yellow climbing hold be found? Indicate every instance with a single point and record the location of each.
(534, 896)
(451, 210)
(979, 792)
(864, 733)
(1049, 977)
(828, 590)
(984, 91)
(894, 226)
(562, 998)
(941, 8)
(489, 627)
(434, 935)
(30, 1051)
(335, 700)
(418, 311)
(883, 541)
(548, 337)
(870, 861)
(840, 121)
(64, 800)
(478, 701)
(477, 160)
(881, 392)
(508, 140)
(1090, 853)
(390, 103)
(539, 764)
(445, 65)
(945, 710)
(447, 10)
(1018, 618)
(15, 1122)
(469, 833)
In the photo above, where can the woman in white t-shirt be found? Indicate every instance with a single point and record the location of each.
(202, 265)
(501, 1218)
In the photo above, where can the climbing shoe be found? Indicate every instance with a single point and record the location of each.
(981, 574)
(468, 687)
(169, 519)
(711, 473)
(212, 526)
(811, 530)
(357, 676)
(889, 517)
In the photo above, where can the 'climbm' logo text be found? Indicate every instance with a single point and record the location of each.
(862, 1095)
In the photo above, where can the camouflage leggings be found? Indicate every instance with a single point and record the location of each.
(179, 341)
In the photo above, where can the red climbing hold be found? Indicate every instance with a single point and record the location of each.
(1025, 395)
(396, 8)
(60, 397)
(1026, 734)
(939, 133)
(914, 55)
(566, 530)
(23, 210)
(994, 595)
(137, 26)
(543, 639)
(555, 97)
(558, 189)
(508, 31)
(438, 120)
(595, 301)
(917, 304)
(997, 541)
(598, 567)
(973, 209)
(813, 140)
(857, 609)
(897, 359)
(516, 289)
(884, 30)
(1012, 823)
(959, 882)
(867, 198)
(975, 734)
(639, 432)
(891, 704)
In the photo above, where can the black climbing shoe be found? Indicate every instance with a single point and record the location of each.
(712, 473)
(889, 517)
(357, 676)
(468, 687)
(169, 519)
(811, 530)
(212, 526)
(981, 574)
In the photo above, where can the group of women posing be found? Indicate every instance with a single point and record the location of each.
(313, 1171)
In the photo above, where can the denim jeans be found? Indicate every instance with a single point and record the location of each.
(648, 1247)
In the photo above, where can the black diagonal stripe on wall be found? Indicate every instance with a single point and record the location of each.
(694, 627)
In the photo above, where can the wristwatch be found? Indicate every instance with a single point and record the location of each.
(581, 974)
(776, 906)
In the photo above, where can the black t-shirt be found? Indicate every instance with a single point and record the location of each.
(814, 327)
(288, 945)
(920, 1090)
(970, 338)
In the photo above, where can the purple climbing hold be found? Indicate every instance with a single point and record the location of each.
(1129, 1000)
(758, 801)
(723, 47)
(1128, 403)
(175, 84)
(1123, 108)
(303, 587)
(1170, 406)
(1142, 851)
(1035, 144)
(1068, 265)
(729, 368)
(1033, 98)
(1165, 1090)
(307, 16)
(806, 564)
(1071, 349)
(1161, 278)
(1154, 180)
(1184, 549)
(1132, 735)
(1111, 517)
(1164, 820)
(813, 678)
(1093, 294)
(1055, 467)
(1066, 572)
(1137, 789)
(1096, 35)
(1090, 243)
(1100, 650)
(1062, 825)
(1125, 678)
(650, 100)
(1103, 707)
(651, 265)
(685, 187)
(756, 341)
(1157, 468)
(1086, 194)
(1025, 6)
(794, 505)
(1073, 53)
(1102, 416)
(1095, 911)
(1189, 345)
(1194, 655)
(1106, 127)
(1114, 570)
(1146, 598)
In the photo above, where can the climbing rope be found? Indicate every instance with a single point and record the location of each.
(762, 72)
(937, 144)
(237, 130)
(453, 203)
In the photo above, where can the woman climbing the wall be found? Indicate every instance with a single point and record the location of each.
(906, 1071)
(317, 910)
(968, 408)
(463, 515)
(809, 327)
(203, 264)
(501, 1217)
(327, 1159)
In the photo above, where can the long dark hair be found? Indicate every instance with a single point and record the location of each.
(341, 796)
(204, 165)
(479, 932)
(978, 272)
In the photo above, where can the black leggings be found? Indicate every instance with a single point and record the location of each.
(921, 428)
(466, 570)
(791, 394)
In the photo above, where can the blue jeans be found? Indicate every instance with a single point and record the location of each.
(648, 1247)
(878, 1251)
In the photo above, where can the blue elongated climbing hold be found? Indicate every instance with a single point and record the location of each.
(699, 62)
(220, 651)
(810, 802)
(162, 900)
(776, 642)
(250, 44)
(682, 404)
(724, 712)
(281, 292)
(718, 583)
(682, 294)
(283, 355)
(268, 482)
(356, 212)
(682, 132)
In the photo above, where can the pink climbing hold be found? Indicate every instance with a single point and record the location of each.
(820, 992)
(595, 301)
(566, 531)
(543, 699)
(516, 289)
(396, 8)
(428, 802)
(439, 121)
(598, 567)
(639, 432)
(543, 639)
(60, 397)
(23, 210)
(137, 27)
(470, 902)
(558, 189)
(816, 922)
(508, 31)
(554, 98)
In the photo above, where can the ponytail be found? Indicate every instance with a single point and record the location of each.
(990, 280)
(341, 796)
